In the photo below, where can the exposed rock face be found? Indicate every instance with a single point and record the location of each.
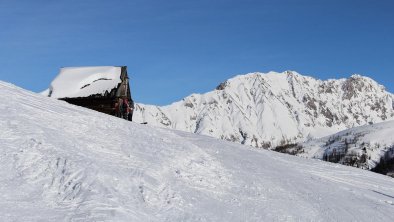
(268, 110)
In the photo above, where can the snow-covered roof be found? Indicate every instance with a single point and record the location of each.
(75, 82)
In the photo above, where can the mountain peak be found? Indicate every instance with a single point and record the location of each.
(357, 84)
(291, 73)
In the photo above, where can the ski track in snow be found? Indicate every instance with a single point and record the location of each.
(65, 163)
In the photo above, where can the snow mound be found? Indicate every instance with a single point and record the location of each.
(60, 162)
(75, 82)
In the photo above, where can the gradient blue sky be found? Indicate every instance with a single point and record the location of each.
(177, 47)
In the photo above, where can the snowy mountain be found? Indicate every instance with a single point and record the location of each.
(60, 162)
(368, 147)
(274, 109)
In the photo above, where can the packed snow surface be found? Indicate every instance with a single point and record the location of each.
(60, 162)
(75, 82)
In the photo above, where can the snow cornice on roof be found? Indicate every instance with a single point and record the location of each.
(73, 82)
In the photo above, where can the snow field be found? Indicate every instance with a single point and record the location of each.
(60, 162)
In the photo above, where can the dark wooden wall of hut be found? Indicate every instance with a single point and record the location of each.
(103, 105)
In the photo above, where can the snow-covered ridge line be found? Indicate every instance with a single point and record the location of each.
(267, 110)
(60, 162)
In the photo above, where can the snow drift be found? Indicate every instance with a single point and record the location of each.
(60, 162)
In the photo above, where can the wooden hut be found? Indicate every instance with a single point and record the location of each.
(95, 87)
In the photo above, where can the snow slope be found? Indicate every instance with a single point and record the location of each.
(363, 146)
(267, 110)
(59, 162)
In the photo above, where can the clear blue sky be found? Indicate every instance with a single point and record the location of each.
(177, 47)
